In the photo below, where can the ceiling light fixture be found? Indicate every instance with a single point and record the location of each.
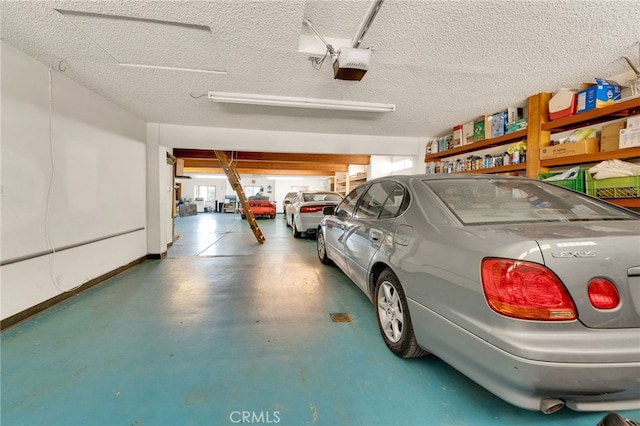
(283, 101)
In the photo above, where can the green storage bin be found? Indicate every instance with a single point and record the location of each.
(619, 187)
(577, 184)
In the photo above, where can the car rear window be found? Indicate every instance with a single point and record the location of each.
(322, 197)
(500, 200)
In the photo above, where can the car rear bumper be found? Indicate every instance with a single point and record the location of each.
(525, 382)
(308, 223)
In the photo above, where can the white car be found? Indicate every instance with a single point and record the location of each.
(304, 212)
(287, 200)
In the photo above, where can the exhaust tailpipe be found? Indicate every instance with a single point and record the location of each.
(550, 406)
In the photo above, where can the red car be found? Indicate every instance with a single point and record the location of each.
(260, 208)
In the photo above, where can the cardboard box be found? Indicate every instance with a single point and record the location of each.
(517, 125)
(514, 114)
(609, 143)
(601, 94)
(457, 135)
(610, 136)
(589, 146)
(498, 122)
(629, 138)
(478, 130)
(467, 133)
(633, 122)
(487, 126)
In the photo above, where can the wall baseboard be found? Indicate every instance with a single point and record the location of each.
(40, 307)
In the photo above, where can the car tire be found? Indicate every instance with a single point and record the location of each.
(392, 313)
(294, 230)
(321, 248)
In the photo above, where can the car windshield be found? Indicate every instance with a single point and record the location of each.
(321, 196)
(498, 200)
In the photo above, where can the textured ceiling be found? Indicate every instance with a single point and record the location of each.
(441, 62)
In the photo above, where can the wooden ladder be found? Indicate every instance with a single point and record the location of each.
(234, 180)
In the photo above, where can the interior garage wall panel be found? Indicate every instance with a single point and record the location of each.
(96, 151)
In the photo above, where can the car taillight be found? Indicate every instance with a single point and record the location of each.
(603, 294)
(525, 290)
(311, 209)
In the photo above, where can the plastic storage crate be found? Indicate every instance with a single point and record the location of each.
(619, 187)
(577, 184)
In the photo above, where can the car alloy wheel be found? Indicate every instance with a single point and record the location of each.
(393, 317)
(296, 234)
(390, 312)
(322, 248)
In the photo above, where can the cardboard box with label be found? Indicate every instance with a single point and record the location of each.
(478, 130)
(457, 135)
(629, 138)
(517, 125)
(599, 95)
(633, 122)
(498, 123)
(587, 146)
(467, 133)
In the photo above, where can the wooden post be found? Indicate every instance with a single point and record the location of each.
(536, 137)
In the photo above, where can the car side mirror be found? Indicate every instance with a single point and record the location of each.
(328, 211)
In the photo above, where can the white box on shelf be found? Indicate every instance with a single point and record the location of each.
(629, 138)
(467, 133)
(633, 122)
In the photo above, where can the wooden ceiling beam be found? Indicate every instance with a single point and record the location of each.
(265, 165)
(274, 172)
(276, 156)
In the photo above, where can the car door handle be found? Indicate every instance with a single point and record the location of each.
(375, 236)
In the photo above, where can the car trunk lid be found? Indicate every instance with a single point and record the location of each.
(577, 254)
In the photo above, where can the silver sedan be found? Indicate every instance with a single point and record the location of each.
(529, 289)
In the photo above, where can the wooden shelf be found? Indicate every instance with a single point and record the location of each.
(539, 133)
(591, 158)
(500, 169)
(618, 110)
(476, 146)
(624, 202)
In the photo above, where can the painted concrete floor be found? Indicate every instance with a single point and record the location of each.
(225, 331)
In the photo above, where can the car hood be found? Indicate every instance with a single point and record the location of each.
(579, 251)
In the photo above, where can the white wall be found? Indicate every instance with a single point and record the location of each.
(176, 136)
(280, 185)
(82, 179)
(158, 195)
(283, 185)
